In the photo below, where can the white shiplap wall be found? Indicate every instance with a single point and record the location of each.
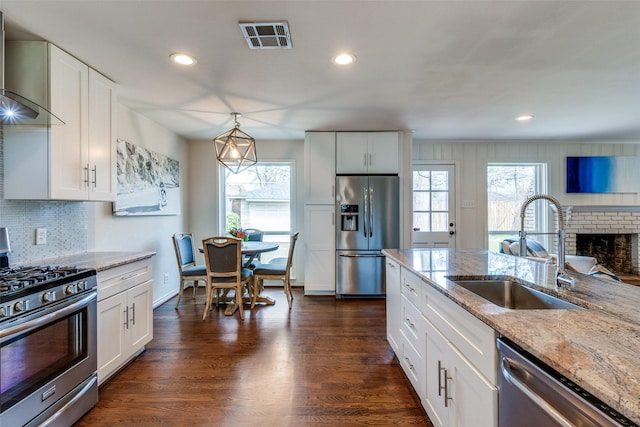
(472, 157)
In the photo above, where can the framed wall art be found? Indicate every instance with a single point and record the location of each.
(603, 174)
(148, 183)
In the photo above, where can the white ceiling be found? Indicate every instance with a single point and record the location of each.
(444, 69)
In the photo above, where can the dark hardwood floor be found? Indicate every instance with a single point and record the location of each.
(325, 362)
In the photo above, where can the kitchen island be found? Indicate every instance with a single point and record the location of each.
(597, 348)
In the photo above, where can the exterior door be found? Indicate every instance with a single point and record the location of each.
(434, 214)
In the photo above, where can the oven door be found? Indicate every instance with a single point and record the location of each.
(45, 356)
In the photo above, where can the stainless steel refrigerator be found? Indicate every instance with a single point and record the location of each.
(367, 221)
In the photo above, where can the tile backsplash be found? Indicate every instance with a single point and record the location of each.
(66, 224)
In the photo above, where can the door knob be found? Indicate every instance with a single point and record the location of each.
(452, 233)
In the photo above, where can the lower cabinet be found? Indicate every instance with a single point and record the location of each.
(448, 354)
(125, 318)
(456, 393)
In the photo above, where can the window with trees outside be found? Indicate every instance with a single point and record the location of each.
(260, 197)
(508, 186)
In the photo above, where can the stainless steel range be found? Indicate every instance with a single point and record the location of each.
(48, 345)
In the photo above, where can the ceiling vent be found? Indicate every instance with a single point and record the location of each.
(266, 35)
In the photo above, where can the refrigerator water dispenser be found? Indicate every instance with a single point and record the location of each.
(349, 217)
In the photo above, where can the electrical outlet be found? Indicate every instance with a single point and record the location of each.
(166, 278)
(41, 236)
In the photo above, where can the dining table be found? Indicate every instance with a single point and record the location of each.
(250, 250)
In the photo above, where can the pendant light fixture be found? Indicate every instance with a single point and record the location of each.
(236, 150)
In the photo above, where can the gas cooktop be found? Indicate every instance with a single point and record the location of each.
(27, 288)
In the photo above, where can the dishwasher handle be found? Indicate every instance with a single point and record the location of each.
(506, 366)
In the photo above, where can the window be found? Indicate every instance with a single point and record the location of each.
(508, 186)
(260, 197)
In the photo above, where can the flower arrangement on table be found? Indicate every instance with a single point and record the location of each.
(239, 233)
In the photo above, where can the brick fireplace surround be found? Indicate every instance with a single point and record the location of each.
(604, 220)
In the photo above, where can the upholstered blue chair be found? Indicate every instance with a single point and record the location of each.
(275, 270)
(189, 271)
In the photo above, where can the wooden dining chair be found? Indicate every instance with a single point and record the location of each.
(189, 271)
(275, 270)
(223, 259)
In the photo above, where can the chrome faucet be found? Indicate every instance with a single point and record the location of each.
(562, 277)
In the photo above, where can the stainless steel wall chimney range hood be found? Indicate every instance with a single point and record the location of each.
(16, 109)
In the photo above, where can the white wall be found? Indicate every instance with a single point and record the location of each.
(203, 199)
(144, 233)
(472, 158)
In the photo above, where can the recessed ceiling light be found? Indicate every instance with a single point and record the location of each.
(524, 117)
(344, 59)
(183, 59)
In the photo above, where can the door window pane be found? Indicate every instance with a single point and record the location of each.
(439, 221)
(421, 221)
(439, 201)
(439, 180)
(421, 201)
(421, 180)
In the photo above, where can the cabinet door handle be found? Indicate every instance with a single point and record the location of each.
(126, 316)
(409, 362)
(133, 314)
(411, 325)
(370, 159)
(440, 387)
(86, 175)
(447, 398)
(95, 176)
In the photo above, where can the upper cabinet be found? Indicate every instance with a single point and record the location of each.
(367, 152)
(319, 168)
(74, 161)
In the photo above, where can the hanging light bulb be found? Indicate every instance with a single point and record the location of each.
(236, 150)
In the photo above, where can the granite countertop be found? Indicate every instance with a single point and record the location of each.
(597, 348)
(96, 260)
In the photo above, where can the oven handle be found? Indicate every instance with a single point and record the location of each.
(59, 313)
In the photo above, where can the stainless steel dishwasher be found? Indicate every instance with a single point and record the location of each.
(532, 394)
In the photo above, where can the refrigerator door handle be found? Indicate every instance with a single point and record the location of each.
(366, 210)
(370, 212)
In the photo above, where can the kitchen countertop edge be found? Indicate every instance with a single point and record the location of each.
(99, 261)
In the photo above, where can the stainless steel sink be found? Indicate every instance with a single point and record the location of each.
(513, 295)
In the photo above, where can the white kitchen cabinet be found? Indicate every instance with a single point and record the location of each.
(447, 353)
(367, 152)
(393, 304)
(320, 250)
(319, 167)
(457, 394)
(74, 161)
(125, 315)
